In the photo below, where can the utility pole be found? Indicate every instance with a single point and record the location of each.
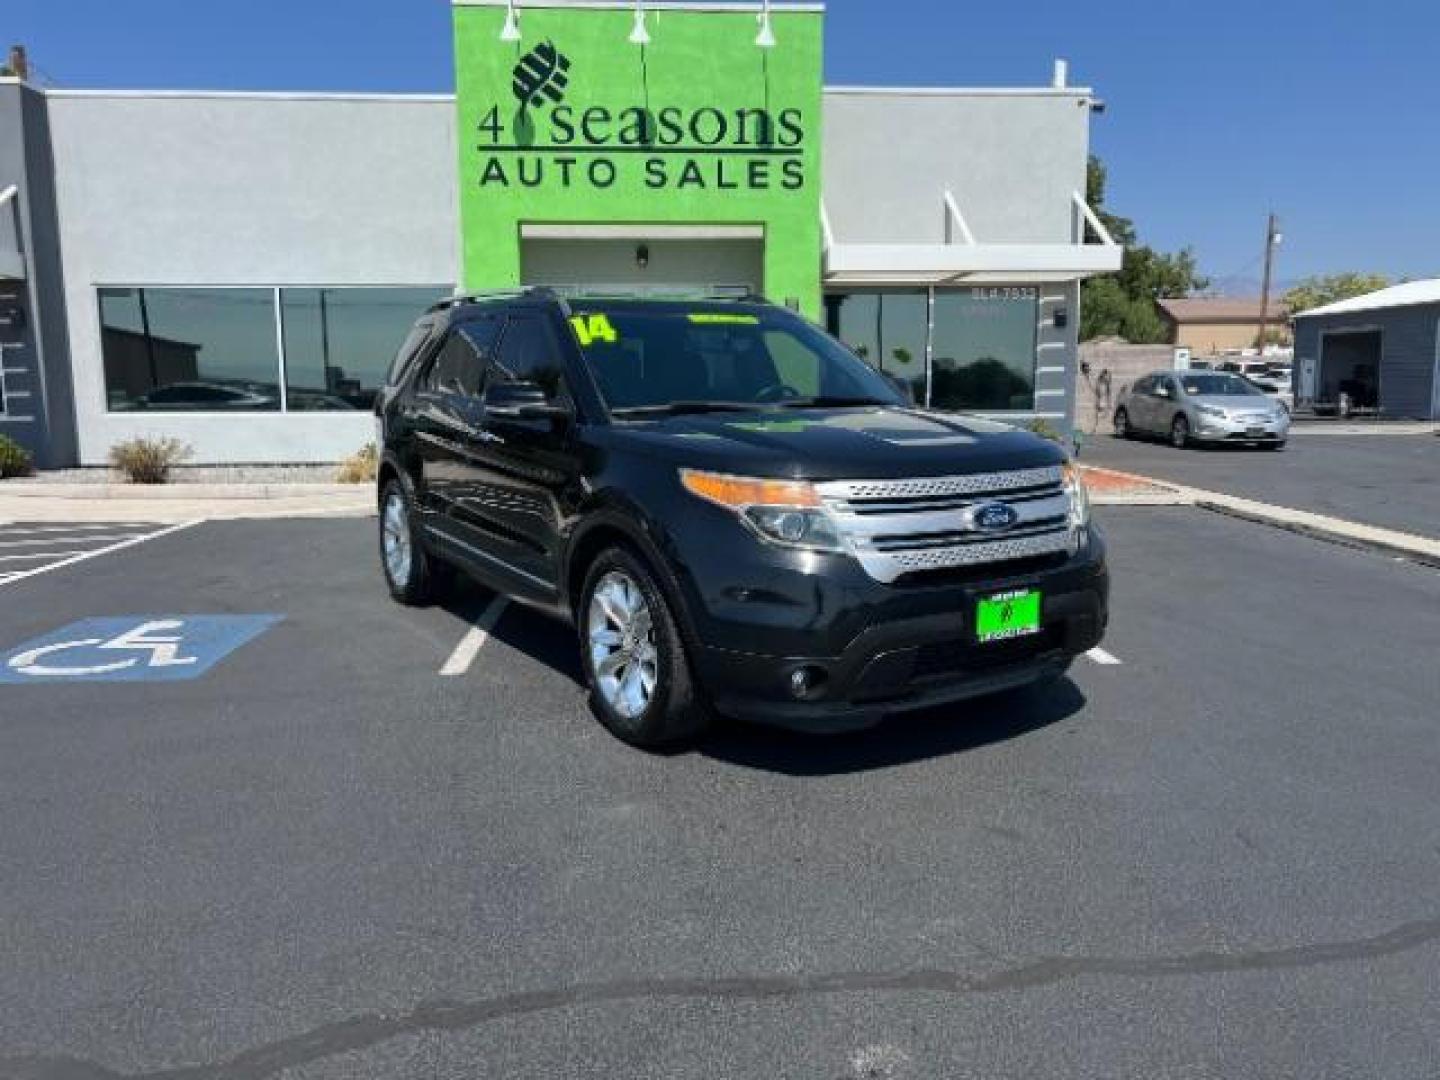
(1272, 241)
(18, 64)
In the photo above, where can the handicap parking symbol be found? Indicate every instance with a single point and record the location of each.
(132, 648)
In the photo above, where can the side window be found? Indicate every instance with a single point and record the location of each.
(529, 353)
(459, 367)
(1173, 386)
(412, 347)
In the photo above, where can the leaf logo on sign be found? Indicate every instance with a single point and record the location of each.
(541, 75)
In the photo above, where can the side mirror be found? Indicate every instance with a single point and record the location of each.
(1162, 391)
(520, 401)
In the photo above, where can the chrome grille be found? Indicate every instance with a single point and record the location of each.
(939, 486)
(898, 527)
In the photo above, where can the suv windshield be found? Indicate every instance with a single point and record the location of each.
(653, 358)
(1218, 386)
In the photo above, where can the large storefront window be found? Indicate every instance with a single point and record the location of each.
(339, 343)
(223, 350)
(888, 330)
(190, 349)
(984, 348)
(982, 344)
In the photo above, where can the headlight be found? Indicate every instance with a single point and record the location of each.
(1079, 514)
(785, 512)
(1078, 496)
(1211, 410)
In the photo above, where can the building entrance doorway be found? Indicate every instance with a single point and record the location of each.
(645, 264)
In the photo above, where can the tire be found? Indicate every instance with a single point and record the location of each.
(1180, 432)
(410, 576)
(1122, 424)
(1274, 447)
(624, 613)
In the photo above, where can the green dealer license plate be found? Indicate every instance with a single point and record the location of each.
(1008, 615)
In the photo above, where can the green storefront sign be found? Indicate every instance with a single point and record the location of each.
(574, 125)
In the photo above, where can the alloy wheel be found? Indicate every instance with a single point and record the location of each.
(621, 633)
(395, 538)
(1180, 433)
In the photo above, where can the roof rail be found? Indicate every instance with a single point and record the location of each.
(563, 294)
(623, 292)
(478, 295)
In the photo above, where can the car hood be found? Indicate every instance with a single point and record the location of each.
(827, 444)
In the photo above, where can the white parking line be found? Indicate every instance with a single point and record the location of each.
(91, 539)
(1100, 656)
(18, 529)
(33, 555)
(71, 560)
(474, 639)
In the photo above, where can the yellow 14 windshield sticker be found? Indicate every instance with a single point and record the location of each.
(592, 328)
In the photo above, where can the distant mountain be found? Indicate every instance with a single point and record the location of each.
(1244, 287)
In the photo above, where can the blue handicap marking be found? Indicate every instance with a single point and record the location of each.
(132, 648)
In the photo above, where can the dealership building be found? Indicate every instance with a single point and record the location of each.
(237, 269)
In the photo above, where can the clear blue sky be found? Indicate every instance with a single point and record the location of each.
(1327, 111)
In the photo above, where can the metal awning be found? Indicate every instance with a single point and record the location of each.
(970, 261)
(12, 259)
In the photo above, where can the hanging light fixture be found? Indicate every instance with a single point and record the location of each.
(639, 35)
(766, 38)
(511, 30)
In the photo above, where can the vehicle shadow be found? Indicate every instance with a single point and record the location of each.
(539, 637)
(901, 739)
(905, 738)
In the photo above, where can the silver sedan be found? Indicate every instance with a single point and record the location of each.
(1201, 407)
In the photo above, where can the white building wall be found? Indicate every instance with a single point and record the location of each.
(1011, 158)
(175, 189)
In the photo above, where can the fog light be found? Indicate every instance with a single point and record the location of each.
(806, 681)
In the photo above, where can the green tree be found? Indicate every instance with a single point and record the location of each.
(1313, 292)
(1123, 304)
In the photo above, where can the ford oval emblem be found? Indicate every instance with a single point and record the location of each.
(994, 517)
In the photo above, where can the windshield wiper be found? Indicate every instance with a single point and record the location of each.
(676, 408)
(830, 402)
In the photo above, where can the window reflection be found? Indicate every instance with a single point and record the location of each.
(982, 343)
(887, 329)
(984, 348)
(190, 349)
(339, 343)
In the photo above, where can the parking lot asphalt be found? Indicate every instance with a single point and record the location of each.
(1392, 481)
(28, 549)
(322, 858)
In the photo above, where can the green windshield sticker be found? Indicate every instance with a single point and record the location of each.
(723, 318)
(592, 328)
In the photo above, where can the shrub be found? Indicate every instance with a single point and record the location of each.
(360, 467)
(148, 461)
(14, 459)
(1046, 430)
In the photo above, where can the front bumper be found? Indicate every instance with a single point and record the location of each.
(915, 648)
(1218, 429)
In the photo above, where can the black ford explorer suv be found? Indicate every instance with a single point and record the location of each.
(734, 511)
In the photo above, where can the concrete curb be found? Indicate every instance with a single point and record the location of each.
(1420, 549)
(1419, 428)
(40, 489)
